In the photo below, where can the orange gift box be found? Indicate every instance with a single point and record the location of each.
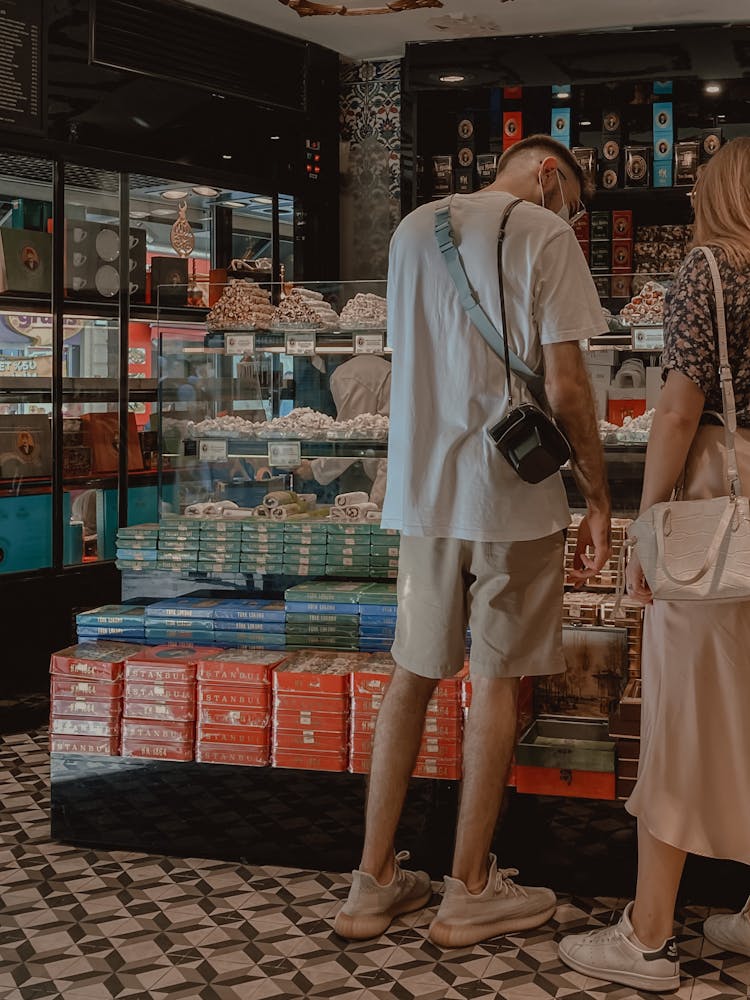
(310, 739)
(243, 756)
(239, 666)
(432, 767)
(76, 687)
(305, 760)
(85, 708)
(325, 704)
(162, 691)
(575, 784)
(85, 727)
(166, 711)
(102, 661)
(431, 746)
(316, 673)
(213, 715)
(166, 663)
(107, 745)
(230, 736)
(311, 718)
(157, 751)
(236, 696)
(158, 732)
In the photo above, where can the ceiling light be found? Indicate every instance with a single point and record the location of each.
(233, 204)
(138, 215)
(226, 156)
(174, 194)
(275, 138)
(713, 88)
(452, 78)
(305, 8)
(263, 200)
(585, 123)
(205, 192)
(141, 122)
(163, 211)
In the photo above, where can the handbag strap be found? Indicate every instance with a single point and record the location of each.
(725, 378)
(495, 339)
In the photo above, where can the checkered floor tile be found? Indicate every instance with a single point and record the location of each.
(92, 925)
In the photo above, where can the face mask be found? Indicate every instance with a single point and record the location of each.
(564, 211)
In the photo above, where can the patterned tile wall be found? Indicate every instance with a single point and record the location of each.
(370, 129)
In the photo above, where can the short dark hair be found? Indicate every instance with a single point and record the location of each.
(551, 147)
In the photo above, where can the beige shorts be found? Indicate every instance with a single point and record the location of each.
(509, 593)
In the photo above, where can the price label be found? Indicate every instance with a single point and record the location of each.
(284, 454)
(212, 451)
(369, 343)
(648, 338)
(300, 344)
(239, 343)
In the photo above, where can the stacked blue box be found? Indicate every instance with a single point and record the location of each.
(250, 622)
(348, 553)
(181, 619)
(179, 542)
(220, 547)
(112, 621)
(137, 547)
(323, 614)
(262, 548)
(384, 550)
(305, 547)
(377, 618)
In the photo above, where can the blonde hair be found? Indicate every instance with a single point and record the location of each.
(722, 202)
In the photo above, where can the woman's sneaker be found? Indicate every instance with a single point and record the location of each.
(730, 931)
(615, 954)
(466, 918)
(371, 907)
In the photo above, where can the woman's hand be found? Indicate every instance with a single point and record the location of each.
(635, 581)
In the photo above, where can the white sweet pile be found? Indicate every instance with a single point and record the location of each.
(242, 304)
(326, 315)
(364, 311)
(635, 428)
(645, 308)
(303, 423)
(295, 310)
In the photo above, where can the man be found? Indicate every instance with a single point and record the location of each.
(478, 543)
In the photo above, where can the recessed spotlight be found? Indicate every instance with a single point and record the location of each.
(174, 194)
(205, 192)
(138, 215)
(275, 138)
(226, 156)
(452, 78)
(233, 204)
(219, 97)
(721, 116)
(562, 95)
(141, 122)
(713, 88)
(163, 211)
(584, 123)
(263, 199)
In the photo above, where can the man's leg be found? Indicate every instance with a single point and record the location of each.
(397, 737)
(489, 741)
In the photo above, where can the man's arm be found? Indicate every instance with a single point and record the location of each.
(572, 404)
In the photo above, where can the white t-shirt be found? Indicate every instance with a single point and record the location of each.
(445, 477)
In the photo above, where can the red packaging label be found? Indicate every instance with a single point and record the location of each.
(157, 751)
(158, 732)
(76, 687)
(255, 670)
(102, 661)
(254, 719)
(432, 767)
(244, 756)
(318, 673)
(230, 736)
(285, 701)
(107, 745)
(302, 739)
(155, 711)
(149, 673)
(163, 691)
(101, 728)
(431, 746)
(311, 718)
(304, 760)
(369, 704)
(85, 708)
(441, 727)
(237, 697)
(369, 681)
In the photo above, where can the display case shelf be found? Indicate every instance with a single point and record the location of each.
(258, 447)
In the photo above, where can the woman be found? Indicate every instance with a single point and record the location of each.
(693, 790)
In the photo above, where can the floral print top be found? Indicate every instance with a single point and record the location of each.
(690, 344)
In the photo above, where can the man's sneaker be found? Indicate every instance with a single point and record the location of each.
(465, 918)
(730, 931)
(371, 907)
(616, 955)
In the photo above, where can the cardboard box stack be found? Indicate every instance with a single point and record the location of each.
(86, 697)
(377, 617)
(179, 543)
(442, 740)
(311, 711)
(348, 552)
(137, 547)
(159, 708)
(112, 621)
(235, 707)
(181, 619)
(262, 549)
(220, 547)
(250, 622)
(323, 614)
(304, 548)
(384, 550)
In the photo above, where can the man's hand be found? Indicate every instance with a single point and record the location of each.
(594, 532)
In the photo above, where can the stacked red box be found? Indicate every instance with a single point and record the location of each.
(159, 710)
(442, 739)
(86, 697)
(311, 710)
(235, 707)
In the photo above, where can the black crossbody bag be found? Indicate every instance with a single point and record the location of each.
(527, 436)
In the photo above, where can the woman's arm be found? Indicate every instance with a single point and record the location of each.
(676, 420)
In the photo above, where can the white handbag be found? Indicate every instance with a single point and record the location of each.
(699, 550)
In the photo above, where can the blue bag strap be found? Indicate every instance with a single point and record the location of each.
(470, 301)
